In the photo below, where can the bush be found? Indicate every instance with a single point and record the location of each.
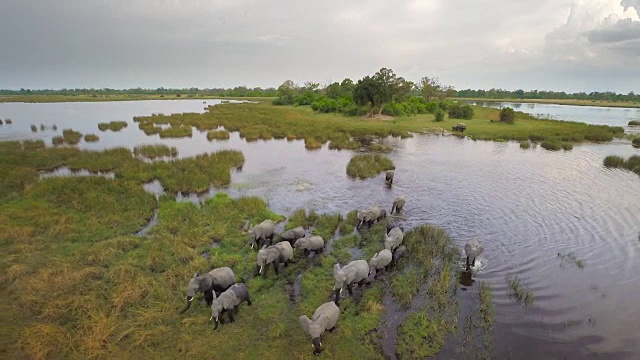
(507, 115)
(459, 111)
(366, 166)
(613, 161)
(525, 145)
(634, 123)
(636, 142)
(553, 146)
(439, 115)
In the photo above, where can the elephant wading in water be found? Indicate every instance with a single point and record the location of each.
(294, 234)
(274, 254)
(228, 302)
(388, 177)
(356, 271)
(370, 215)
(380, 261)
(325, 318)
(261, 232)
(398, 204)
(314, 243)
(393, 239)
(218, 280)
(473, 249)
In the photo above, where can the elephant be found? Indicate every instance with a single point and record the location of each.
(472, 249)
(294, 234)
(393, 239)
(314, 243)
(216, 280)
(389, 176)
(274, 254)
(368, 216)
(262, 232)
(229, 301)
(356, 271)
(380, 261)
(398, 204)
(400, 251)
(393, 224)
(324, 318)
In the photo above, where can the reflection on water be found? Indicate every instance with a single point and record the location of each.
(586, 114)
(525, 206)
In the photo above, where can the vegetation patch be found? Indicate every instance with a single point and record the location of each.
(520, 293)
(368, 165)
(631, 164)
(71, 136)
(571, 259)
(113, 126)
(636, 142)
(419, 337)
(155, 151)
(507, 115)
(552, 146)
(176, 132)
(634, 123)
(525, 144)
(91, 138)
(218, 135)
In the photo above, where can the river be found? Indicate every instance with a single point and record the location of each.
(526, 206)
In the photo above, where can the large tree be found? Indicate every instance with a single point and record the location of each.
(429, 87)
(366, 93)
(287, 91)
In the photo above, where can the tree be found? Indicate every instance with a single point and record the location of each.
(507, 115)
(366, 93)
(287, 92)
(429, 87)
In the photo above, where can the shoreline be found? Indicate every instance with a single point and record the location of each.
(571, 102)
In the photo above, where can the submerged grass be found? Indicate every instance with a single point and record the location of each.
(153, 151)
(365, 166)
(113, 126)
(519, 293)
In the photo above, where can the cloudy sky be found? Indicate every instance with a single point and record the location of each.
(570, 45)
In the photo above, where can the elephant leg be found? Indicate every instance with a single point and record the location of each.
(208, 297)
(286, 263)
(275, 267)
(468, 265)
(361, 283)
(473, 263)
(349, 289)
(332, 329)
(249, 300)
(337, 297)
(230, 313)
(266, 269)
(220, 316)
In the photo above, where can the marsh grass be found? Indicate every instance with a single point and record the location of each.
(153, 151)
(525, 144)
(71, 136)
(113, 126)
(631, 164)
(634, 123)
(636, 142)
(519, 293)
(176, 132)
(552, 146)
(91, 138)
(217, 135)
(365, 166)
(570, 258)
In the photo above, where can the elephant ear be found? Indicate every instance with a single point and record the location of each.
(305, 322)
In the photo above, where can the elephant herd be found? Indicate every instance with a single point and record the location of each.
(224, 295)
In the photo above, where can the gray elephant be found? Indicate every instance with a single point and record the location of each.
(380, 261)
(370, 215)
(398, 204)
(259, 234)
(388, 177)
(294, 234)
(228, 302)
(393, 224)
(393, 239)
(314, 243)
(324, 318)
(399, 253)
(216, 280)
(274, 254)
(472, 249)
(356, 271)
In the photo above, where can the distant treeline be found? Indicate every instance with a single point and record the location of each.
(541, 94)
(239, 91)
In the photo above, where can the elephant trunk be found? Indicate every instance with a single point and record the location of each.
(337, 295)
(317, 346)
(189, 300)
(216, 324)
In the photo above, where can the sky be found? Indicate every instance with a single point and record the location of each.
(562, 45)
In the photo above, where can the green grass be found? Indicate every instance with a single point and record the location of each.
(113, 126)
(176, 132)
(217, 135)
(368, 165)
(71, 136)
(631, 164)
(153, 151)
(525, 144)
(636, 142)
(91, 138)
(519, 293)
(634, 123)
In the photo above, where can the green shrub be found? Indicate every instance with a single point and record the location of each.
(525, 144)
(439, 115)
(566, 146)
(536, 137)
(636, 142)
(459, 111)
(155, 151)
(507, 115)
(634, 123)
(553, 146)
(368, 165)
(613, 161)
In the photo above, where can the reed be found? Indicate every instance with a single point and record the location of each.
(217, 135)
(71, 136)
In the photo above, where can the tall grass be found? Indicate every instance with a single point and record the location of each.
(368, 165)
(631, 164)
(113, 126)
(153, 151)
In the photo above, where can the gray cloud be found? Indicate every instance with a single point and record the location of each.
(223, 43)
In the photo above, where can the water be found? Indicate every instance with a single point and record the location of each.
(525, 206)
(586, 114)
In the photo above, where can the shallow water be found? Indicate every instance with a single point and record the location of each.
(586, 114)
(525, 206)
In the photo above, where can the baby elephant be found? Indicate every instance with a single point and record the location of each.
(393, 239)
(400, 251)
(325, 318)
(392, 224)
(215, 281)
(380, 261)
(314, 243)
(398, 204)
(228, 302)
(389, 177)
(294, 234)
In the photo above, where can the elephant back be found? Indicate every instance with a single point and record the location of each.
(240, 291)
(223, 276)
(316, 242)
(285, 250)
